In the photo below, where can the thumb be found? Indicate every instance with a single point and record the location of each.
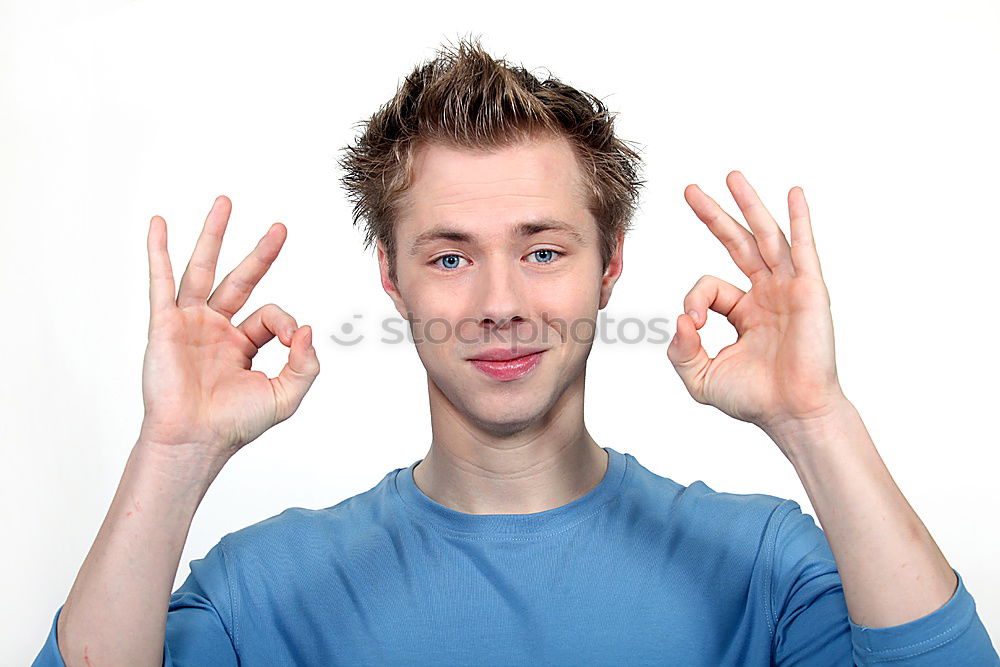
(688, 356)
(297, 375)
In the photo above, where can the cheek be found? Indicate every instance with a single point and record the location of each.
(569, 296)
(569, 311)
(437, 317)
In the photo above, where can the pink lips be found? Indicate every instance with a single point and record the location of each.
(510, 369)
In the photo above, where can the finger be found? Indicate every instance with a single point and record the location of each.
(689, 357)
(198, 278)
(711, 293)
(234, 290)
(770, 239)
(161, 275)
(297, 375)
(739, 242)
(804, 254)
(267, 322)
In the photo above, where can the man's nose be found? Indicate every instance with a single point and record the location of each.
(500, 296)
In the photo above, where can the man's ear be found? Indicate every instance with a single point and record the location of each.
(613, 271)
(387, 284)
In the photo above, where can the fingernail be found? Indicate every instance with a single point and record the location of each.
(693, 314)
(309, 339)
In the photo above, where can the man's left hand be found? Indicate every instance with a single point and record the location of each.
(781, 371)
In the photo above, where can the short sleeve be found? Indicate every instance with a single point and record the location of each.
(812, 624)
(50, 656)
(200, 619)
(808, 611)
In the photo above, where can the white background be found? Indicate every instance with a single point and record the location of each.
(885, 113)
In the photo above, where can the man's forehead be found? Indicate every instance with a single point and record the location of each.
(516, 191)
(537, 166)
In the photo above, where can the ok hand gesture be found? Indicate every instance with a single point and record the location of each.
(782, 367)
(200, 396)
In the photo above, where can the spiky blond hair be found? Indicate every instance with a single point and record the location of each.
(464, 98)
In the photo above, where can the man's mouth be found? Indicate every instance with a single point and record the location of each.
(504, 354)
(506, 365)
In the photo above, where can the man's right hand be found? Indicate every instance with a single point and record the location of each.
(201, 398)
(202, 404)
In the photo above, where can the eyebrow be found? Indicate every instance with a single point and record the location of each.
(522, 230)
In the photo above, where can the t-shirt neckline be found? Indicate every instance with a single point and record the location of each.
(512, 525)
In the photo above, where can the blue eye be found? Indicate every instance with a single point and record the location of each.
(544, 256)
(546, 252)
(449, 265)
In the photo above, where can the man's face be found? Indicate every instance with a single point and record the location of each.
(498, 252)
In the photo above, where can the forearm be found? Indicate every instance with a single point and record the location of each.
(116, 611)
(891, 569)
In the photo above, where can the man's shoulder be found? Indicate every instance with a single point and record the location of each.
(699, 505)
(300, 528)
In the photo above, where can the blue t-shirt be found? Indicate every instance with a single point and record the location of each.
(639, 570)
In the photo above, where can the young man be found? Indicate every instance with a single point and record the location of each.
(499, 205)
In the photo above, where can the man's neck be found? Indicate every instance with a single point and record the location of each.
(541, 468)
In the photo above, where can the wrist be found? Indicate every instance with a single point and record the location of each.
(798, 436)
(187, 465)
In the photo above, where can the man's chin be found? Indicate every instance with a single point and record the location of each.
(501, 409)
(505, 417)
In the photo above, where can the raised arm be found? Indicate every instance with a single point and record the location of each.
(781, 375)
(202, 404)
